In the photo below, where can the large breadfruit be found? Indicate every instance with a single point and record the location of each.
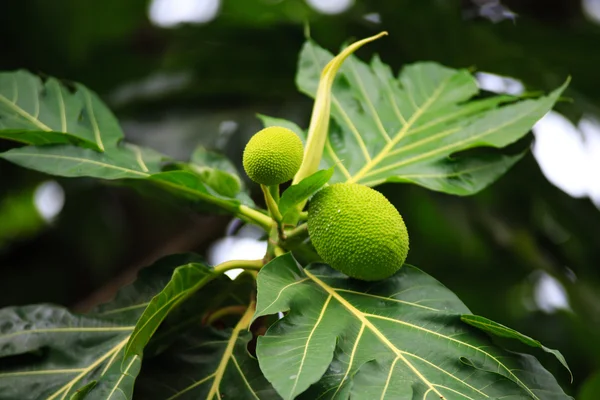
(357, 231)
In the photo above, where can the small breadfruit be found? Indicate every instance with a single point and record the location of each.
(273, 156)
(357, 231)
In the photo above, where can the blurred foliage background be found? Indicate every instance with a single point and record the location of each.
(522, 252)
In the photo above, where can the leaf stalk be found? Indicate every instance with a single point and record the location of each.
(254, 265)
(225, 311)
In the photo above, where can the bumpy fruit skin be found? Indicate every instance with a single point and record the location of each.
(273, 156)
(357, 231)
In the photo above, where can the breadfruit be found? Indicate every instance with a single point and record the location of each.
(357, 231)
(273, 156)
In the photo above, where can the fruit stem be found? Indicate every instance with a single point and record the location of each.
(274, 189)
(271, 204)
(272, 243)
(297, 235)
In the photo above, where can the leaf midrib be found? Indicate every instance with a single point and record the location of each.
(205, 197)
(24, 114)
(242, 324)
(41, 372)
(305, 352)
(69, 330)
(93, 120)
(227, 356)
(488, 165)
(401, 133)
(80, 160)
(123, 375)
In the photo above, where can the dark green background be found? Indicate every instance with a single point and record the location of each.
(488, 248)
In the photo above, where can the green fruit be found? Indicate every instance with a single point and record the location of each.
(357, 231)
(273, 156)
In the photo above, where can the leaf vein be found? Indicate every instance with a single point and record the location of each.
(237, 365)
(308, 344)
(401, 133)
(88, 101)
(499, 364)
(370, 105)
(361, 317)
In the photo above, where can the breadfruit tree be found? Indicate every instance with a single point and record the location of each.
(332, 311)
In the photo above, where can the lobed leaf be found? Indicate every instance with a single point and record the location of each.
(65, 350)
(47, 352)
(398, 338)
(413, 127)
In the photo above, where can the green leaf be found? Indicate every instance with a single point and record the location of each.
(128, 303)
(198, 309)
(39, 112)
(51, 118)
(186, 280)
(125, 161)
(503, 331)
(410, 128)
(128, 161)
(79, 349)
(203, 158)
(223, 183)
(47, 352)
(118, 382)
(30, 110)
(401, 338)
(194, 187)
(296, 194)
(218, 172)
(206, 364)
